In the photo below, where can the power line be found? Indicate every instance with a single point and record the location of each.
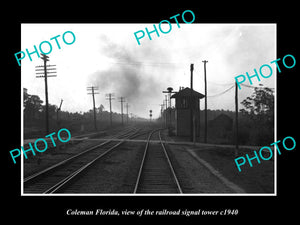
(222, 92)
(251, 86)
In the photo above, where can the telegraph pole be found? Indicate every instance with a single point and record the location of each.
(122, 99)
(127, 106)
(166, 101)
(166, 104)
(45, 73)
(192, 69)
(236, 120)
(110, 97)
(192, 105)
(205, 112)
(92, 88)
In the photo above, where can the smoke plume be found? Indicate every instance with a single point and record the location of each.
(127, 77)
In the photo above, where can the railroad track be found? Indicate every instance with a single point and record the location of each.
(57, 176)
(156, 173)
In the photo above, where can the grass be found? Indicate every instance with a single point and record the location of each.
(256, 179)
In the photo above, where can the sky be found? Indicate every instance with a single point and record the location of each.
(109, 57)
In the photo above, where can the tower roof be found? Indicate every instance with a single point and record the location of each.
(186, 92)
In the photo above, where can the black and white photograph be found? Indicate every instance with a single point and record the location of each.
(138, 114)
(165, 116)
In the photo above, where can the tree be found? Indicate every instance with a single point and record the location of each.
(51, 111)
(100, 109)
(257, 120)
(32, 106)
(260, 105)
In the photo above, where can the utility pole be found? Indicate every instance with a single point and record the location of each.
(192, 69)
(109, 97)
(205, 112)
(127, 106)
(192, 106)
(45, 73)
(236, 120)
(122, 99)
(166, 117)
(92, 88)
(166, 101)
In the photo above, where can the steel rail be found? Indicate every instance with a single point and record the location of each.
(142, 163)
(67, 179)
(35, 175)
(170, 164)
(137, 184)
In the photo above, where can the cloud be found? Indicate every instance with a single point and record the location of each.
(127, 76)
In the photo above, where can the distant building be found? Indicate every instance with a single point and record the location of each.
(221, 126)
(187, 100)
(222, 121)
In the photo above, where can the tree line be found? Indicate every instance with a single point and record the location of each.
(34, 117)
(256, 119)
